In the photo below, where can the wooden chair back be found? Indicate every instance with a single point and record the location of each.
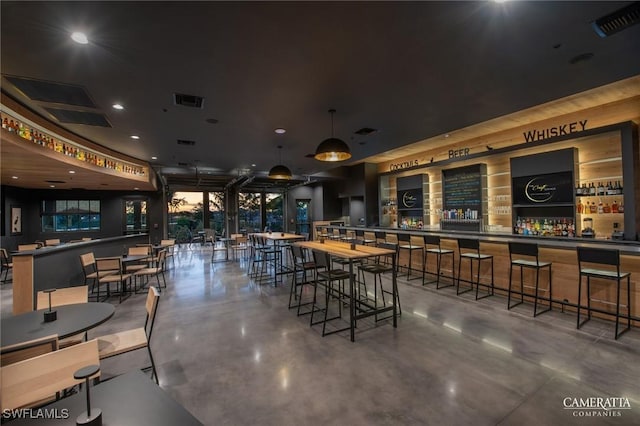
(25, 350)
(109, 264)
(52, 242)
(142, 250)
(63, 296)
(27, 247)
(35, 379)
(151, 305)
(87, 260)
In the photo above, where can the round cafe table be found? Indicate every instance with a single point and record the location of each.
(72, 319)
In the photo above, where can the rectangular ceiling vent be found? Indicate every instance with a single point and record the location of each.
(79, 117)
(186, 142)
(365, 131)
(51, 92)
(618, 20)
(191, 101)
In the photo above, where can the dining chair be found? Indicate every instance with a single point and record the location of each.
(170, 246)
(156, 271)
(139, 250)
(65, 296)
(90, 272)
(239, 244)
(133, 339)
(38, 380)
(27, 247)
(24, 350)
(5, 264)
(52, 242)
(117, 275)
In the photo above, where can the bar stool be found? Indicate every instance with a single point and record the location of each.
(381, 265)
(404, 243)
(531, 261)
(327, 277)
(381, 237)
(609, 258)
(300, 267)
(362, 239)
(344, 236)
(474, 254)
(432, 245)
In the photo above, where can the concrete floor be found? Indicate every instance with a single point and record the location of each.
(229, 350)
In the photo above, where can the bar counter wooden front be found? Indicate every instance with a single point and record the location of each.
(344, 251)
(59, 266)
(561, 252)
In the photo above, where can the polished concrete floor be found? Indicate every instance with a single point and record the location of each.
(229, 350)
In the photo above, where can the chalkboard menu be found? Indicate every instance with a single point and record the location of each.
(463, 188)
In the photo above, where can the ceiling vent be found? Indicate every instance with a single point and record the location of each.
(186, 142)
(190, 101)
(365, 131)
(79, 117)
(48, 91)
(618, 20)
(183, 164)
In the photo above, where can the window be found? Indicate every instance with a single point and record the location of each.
(275, 216)
(70, 215)
(216, 212)
(136, 216)
(249, 211)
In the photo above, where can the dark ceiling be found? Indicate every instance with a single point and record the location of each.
(408, 70)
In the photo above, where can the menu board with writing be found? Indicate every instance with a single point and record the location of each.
(463, 187)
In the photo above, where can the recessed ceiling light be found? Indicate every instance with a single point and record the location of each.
(154, 158)
(14, 177)
(135, 137)
(253, 165)
(447, 135)
(52, 186)
(117, 106)
(136, 188)
(79, 37)
(72, 172)
(280, 130)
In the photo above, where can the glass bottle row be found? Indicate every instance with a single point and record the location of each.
(29, 133)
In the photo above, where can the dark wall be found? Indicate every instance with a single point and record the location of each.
(111, 210)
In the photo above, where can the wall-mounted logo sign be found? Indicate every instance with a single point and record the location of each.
(403, 165)
(409, 200)
(551, 132)
(538, 191)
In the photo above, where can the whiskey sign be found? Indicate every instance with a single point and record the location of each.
(551, 132)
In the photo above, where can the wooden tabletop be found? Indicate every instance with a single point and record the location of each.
(343, 250)
(279, 236)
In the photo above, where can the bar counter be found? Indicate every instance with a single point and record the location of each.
(59, 266)
(560, 250)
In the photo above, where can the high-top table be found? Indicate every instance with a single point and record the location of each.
(130, 399)
(279, 238)
(72, 319)
(344, 251)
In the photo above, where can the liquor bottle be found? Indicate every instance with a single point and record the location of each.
(601, 189)
(614, 207)
(600, 207)
(621, 207)
(592, 189)
(593, 208)
(609, 188)
(620, 188)
(580, 207)
(5, 124)
(606, 208)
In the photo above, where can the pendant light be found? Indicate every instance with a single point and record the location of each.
(280, 171)
(332, 149)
